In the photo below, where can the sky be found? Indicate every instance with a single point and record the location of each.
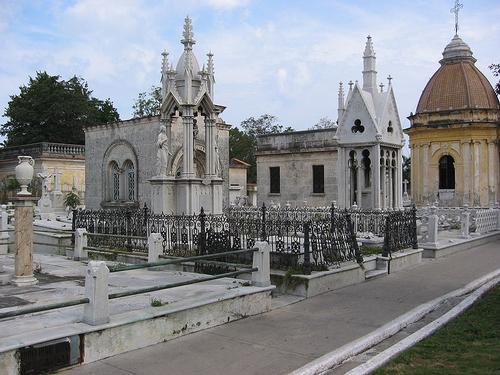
(284, 58)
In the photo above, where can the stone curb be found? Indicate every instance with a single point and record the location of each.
(385, 356)
(355, 347)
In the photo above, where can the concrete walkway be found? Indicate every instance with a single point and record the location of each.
(291, 336)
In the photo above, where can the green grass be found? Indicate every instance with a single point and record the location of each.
(470, 344)
(371, 250)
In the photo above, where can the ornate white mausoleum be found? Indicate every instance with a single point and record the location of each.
(176, 162)
(359, 162)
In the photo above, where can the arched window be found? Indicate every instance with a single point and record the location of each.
(130, 170)
(446, 172)
(115, 182)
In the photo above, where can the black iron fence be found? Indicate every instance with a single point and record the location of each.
(400, 231)
(311, 239)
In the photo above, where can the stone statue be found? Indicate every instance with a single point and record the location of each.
(162, 153)
(45, 182)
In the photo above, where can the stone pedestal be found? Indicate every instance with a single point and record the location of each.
(188, 195)
(23, 275)
(216, 191)
(163, 195)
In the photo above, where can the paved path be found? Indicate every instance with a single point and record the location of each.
(289, 337)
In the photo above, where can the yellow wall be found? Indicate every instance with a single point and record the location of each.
(428, 145)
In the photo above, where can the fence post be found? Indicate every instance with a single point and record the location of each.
(262, 261)
(263, 234)
(356, 216)
(80, 242)
(307, 254)
(145, 224)
(387, 237)
(96, 290)
(414, 226)
(155, 248)
(432, 230)
(465, 221)
(498, 218)
(202, 238)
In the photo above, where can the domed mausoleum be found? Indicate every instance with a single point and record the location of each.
(454, 134)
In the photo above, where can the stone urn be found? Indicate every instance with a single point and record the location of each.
(24, 173)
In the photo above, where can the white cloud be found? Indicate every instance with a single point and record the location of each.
(228, 4)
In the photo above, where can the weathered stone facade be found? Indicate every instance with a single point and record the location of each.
(295, 154)
(176, 162)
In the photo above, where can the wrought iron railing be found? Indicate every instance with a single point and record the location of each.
(299, 238)
(400, 231)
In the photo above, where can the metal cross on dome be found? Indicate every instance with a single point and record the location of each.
(456, 9)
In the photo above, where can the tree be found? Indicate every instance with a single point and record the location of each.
(148, 104)
(243, 143)
(50, 109)
(265, 124)
(495, 68)
(324, 123)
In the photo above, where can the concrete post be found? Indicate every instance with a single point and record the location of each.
(432, 230)
(23, 275)
(4, 236)
(261, 260)
(155, 247)
(96, 290)
(465, 219)
(80, 243)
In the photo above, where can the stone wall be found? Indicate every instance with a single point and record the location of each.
(296, 153)
(141, 134)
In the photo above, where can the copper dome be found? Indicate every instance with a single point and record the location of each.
(457, 84)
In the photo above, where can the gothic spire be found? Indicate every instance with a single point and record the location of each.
(210, 63)
(341, 104)
(187, 35)
(369, 72)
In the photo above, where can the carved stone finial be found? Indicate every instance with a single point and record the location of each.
(210, 63)
(187, 35)
(389, 78)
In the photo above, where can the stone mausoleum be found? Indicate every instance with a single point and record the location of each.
(176, 162)
(454, 135)
(359, 162)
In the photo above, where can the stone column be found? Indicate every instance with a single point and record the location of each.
(210, 156)
(477, 165)
(423, 168)
(383, 184)
(188, 142)
(23, 275)
(359, 175)
(399, 179)
(491, 173)
(342, 174)
(467, 168)
(376, 175)
(391, 185)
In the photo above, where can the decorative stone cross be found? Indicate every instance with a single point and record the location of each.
(456, 9)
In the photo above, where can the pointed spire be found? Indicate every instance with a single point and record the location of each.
(187, 35)
(210, 63)
(369, 72)
(341, 104)
(369, 51)
(164, 63)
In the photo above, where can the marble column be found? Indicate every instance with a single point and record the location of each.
(210, 156)
(342, 174)
(390, 183)
(400, 178)
(477, 173)
(491, 174)
(359, 175)
(467, 168)
(383, 184)
(376, 175)
(23, 274)
(188, 142)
